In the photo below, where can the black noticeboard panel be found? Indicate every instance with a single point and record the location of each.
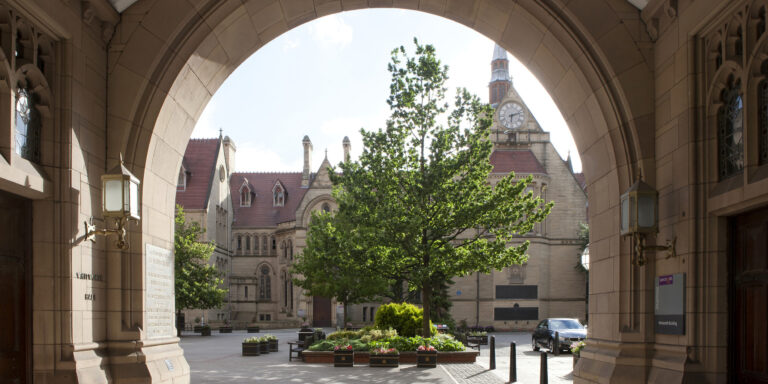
(517, 292)
(516, 313)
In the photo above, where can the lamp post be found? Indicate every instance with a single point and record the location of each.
(120, 203)
(640, 218)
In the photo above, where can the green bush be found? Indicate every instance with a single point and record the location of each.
(327, 345)
(338, 335)
(405, 318)
(376, 334)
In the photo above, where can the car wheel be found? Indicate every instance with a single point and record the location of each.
(551, 346)
(534, 344)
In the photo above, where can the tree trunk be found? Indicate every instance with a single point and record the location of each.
(426, 299)
(345, 314)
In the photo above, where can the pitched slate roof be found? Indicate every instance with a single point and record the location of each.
(200, 163)
(520, 161)
(262, 213)
(581, 179)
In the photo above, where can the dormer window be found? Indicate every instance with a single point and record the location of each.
(245, 194)
(278, 195)
(181, 185)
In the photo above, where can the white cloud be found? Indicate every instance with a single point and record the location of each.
(331, 30)
(206, 126)
(290, 44)
(256, 157)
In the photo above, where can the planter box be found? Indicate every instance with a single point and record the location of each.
(340, 358)
(264, 347)
(326, 357)
(426, 359)
(252, 329)
(251, 349)
(575, 359)
(225, 329)
(388, 361)
(205, 331)
(272, 345)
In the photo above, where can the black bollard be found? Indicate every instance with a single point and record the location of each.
(543, 374)
(493, 352)
(512, 363)
(557, 344)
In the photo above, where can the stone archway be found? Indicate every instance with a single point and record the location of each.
(168, 58)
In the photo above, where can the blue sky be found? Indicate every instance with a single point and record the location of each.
(328, 78)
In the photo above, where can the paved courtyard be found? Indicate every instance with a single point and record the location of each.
(217, 359)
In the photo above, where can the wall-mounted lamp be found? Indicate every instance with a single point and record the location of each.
(120, 202)
(640, 217)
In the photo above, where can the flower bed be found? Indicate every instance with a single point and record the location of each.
(327, 357)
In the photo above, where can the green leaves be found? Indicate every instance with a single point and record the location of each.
(197, 283)
(419, 201)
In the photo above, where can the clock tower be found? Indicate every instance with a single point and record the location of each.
(513, 122)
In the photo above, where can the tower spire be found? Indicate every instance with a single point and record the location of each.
(500, 79)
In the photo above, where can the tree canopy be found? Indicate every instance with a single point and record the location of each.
(419, 197)
(197, 282)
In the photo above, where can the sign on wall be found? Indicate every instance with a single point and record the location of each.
(670, 304)
(159, 299)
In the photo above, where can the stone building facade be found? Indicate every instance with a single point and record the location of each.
(664, 90)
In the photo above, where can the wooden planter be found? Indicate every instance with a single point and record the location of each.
(272, 345)
(264, 347)
(225, 329)
(343, 358)
(252, 329)
(388, 361)
(327, 357)
(426, 359)
(205, 331)
(251, 349)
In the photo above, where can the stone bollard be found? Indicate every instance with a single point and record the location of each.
(556, 344)
(493, 352)
(512, 363)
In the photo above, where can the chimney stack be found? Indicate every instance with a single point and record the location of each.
(347, 146)
(307, 161)
(229, 154)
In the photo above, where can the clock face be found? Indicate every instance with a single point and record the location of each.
(511, 115)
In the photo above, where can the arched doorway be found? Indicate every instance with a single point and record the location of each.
(167, 64)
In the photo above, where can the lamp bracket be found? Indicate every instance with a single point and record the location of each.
(120, 222)
(640, 248)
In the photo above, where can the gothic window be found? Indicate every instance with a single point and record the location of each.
(182, 183)
(285, 249)
(290, 249)
(285, 290)
(264, 243)
(326, 207)
(264, 284)
(762, 109)
(730, 128)
(239, 243)
(274, 245)
(245, 194)
(278, 196)
(291, 291)
(247, 243)
(256, 243)
(28, 125)
(246, 291)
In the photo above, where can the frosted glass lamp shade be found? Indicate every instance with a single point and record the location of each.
(120, 193)
(639, 209)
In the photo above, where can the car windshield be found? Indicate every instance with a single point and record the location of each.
(565, 324)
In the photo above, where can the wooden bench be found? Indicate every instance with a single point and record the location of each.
(300, 346)
(469, 344)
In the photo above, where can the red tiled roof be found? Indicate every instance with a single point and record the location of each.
(520, 161)
(262, 213)
(581, 179)
(200, 163)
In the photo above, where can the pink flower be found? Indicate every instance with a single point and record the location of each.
(349, 347)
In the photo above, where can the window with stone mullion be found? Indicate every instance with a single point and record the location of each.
(730, 126)
(28, 126)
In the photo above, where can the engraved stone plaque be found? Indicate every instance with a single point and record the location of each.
(159, 284)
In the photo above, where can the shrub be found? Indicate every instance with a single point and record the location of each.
(328, 345)
(250, 340)
(338, 335)
(405, 318)
(377, 334)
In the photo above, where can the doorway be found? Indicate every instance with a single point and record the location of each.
(15, 319)
(748, 334)
(321, 311)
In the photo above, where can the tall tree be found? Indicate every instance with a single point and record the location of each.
(420, 193)
(197, 282)
(334, 264)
